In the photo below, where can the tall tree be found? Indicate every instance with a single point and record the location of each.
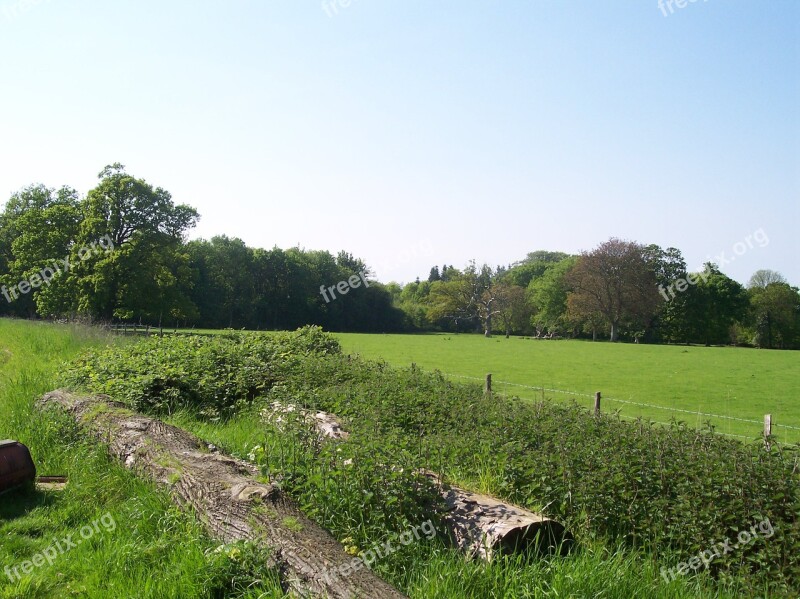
(668, 323)
(37, 228)
(713, 305)
(776, 315)
(548, 296)
(141, 221)
(533, 267)
(472, 295)
(762, 278)
(224, 267)
(616, 281)
(512, 307)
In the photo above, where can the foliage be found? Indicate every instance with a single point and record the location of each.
(153, 276)
(548, 295)
(713, 305)
(154, 549)
(775, 315)
(670, 491)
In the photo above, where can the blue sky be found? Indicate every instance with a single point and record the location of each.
(416, 133)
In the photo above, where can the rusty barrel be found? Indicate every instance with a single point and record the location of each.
(16, 465)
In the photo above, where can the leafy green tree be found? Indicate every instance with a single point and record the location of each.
(37, 228)
(775, 315)
(272, 284)
(225, 273)
(669, 322)
(713, 305)
(449, 273)
(469, 297)
(762, 278)
(548, 296)
(512, 307)
(533, 267)
(142, 223)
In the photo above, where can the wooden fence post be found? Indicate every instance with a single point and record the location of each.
(597, 404)
(767, 429)
(488, 387)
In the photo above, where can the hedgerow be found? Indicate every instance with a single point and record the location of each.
(671, 491)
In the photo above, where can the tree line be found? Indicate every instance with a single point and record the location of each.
(619, 290)
(121, 254)
(147, 272)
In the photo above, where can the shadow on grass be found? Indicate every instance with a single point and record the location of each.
(18, 502)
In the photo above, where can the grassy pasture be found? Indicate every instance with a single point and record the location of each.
(737, 382)
(145, 548)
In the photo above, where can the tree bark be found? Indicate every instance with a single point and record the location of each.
(483, 526)
(227, 498)
(326, 425)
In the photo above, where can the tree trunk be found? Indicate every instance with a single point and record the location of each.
(488, 331)
(228, 499)
(614, 331)
(325, 425)
(482, 526)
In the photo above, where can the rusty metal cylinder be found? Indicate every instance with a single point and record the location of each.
(16, 465)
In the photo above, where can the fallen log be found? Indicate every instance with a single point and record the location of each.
(483, 526)
(226, 497)
(325, 424)
(479, 525)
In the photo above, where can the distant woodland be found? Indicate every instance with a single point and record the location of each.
(120, 254)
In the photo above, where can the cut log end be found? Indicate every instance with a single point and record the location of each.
(483, 526)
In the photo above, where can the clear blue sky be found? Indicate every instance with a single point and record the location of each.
(411, 133)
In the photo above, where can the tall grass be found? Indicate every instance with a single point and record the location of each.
(153, 549)
(432, 571)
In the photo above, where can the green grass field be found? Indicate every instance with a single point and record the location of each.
(142, 545)
(742, 384)
(155, 550)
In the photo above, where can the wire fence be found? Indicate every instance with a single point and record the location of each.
(636, 403)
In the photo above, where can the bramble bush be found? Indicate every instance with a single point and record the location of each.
(213, 375)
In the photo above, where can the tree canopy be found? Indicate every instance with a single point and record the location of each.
(121, 253)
